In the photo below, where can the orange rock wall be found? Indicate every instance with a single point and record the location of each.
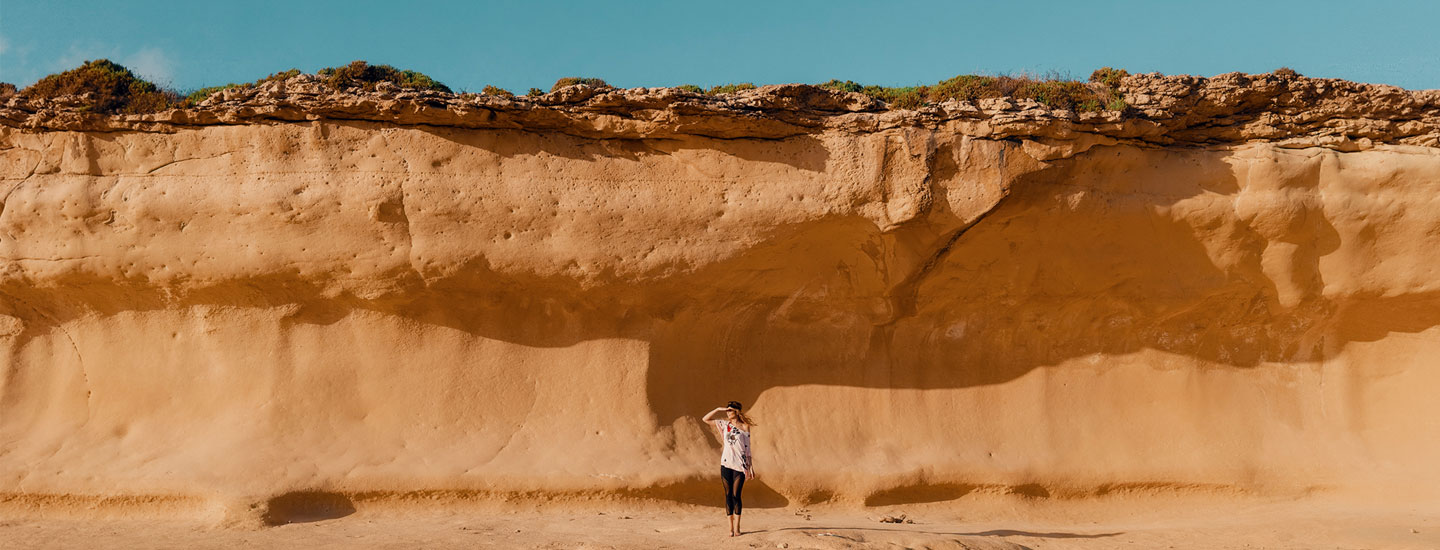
(912, 314)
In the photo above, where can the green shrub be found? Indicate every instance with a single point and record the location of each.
(845, 86)
(969, 87)
(282, 75)
(905, 97)
(1110, 100)
(1286, 72)
(730, 88)
(1053, 92)
(574, 80)
(1060, 94)
(1108, 76)
(496, 91)
(115, 89)
(359, 74)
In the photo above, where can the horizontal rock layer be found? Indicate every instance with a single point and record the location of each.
(1174, 110)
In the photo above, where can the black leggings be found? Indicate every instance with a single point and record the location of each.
(734, 483)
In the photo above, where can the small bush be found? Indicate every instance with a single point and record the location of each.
(496, 91)
(115, 89)
(691, 88)
(282, 75)
(730, 88)
(1060, 94)
(845, 86)
(535, 92)
(1286, 72)
(195, 97)
(7, 89)
(904, 97)
(1108, 76)
(907, 97)
(968, 87)
(359, 74)
(574, 80)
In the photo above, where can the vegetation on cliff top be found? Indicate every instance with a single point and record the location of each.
(356, 75)
(109, 88)
(1097, 95)
(496, 91)
(574, 80)
(730, 88)
(359, 74)
(718, 90)
(197, 96)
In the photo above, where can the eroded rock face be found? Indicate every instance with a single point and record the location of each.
(1293, 110)
(233, 308)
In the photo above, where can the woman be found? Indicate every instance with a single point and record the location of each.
(735, 466)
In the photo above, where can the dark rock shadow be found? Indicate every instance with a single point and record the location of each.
(306, 507)
(710, 492)
(919, 494)
(1102, 270)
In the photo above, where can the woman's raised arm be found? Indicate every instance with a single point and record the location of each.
(711, 416)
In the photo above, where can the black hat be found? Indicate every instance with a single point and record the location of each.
(733, 405)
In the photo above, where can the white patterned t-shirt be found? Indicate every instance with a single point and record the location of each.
(736, 452)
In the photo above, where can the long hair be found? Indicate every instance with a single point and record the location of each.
(745, 419)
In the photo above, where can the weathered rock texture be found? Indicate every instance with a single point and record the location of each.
(288, 301)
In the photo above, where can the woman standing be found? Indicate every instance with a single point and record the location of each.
(735, 466)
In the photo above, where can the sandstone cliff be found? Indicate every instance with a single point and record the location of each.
(295, 296)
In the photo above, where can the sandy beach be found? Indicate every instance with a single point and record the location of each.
(1137, 524)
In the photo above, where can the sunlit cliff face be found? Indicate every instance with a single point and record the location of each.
(912, 311)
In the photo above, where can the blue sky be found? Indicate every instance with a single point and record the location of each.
(517, 45)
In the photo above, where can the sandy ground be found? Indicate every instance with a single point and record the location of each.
(1281, 525)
